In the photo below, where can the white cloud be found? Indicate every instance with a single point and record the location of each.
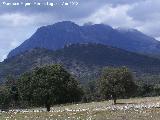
(21, 19)
(142, 15)
(14, 20)
(112, 15)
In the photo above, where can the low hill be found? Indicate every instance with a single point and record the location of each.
(83, 60)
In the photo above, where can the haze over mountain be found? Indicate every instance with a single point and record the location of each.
(61, 34)
(82, 60)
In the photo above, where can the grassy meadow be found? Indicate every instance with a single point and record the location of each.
(126, 109)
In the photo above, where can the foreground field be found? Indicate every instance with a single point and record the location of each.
(129, 109)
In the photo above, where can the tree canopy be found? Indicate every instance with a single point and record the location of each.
(49, 85)
(116, 82)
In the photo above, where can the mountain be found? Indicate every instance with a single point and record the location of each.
(58, 35)
(85, 61)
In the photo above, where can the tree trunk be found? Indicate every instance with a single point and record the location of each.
(48, 107)
(47, 103)
(115, 101)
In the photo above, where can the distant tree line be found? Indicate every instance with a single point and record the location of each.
(50, 85)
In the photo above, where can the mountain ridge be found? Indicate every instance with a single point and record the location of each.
(58, 35)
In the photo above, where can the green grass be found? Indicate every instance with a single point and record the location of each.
(95, 111)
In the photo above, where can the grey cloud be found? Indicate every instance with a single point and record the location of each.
(84, 8)
(146, 11)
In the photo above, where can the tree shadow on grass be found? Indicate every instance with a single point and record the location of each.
(120, 103)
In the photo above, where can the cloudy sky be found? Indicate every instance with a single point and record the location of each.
(19, 21)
